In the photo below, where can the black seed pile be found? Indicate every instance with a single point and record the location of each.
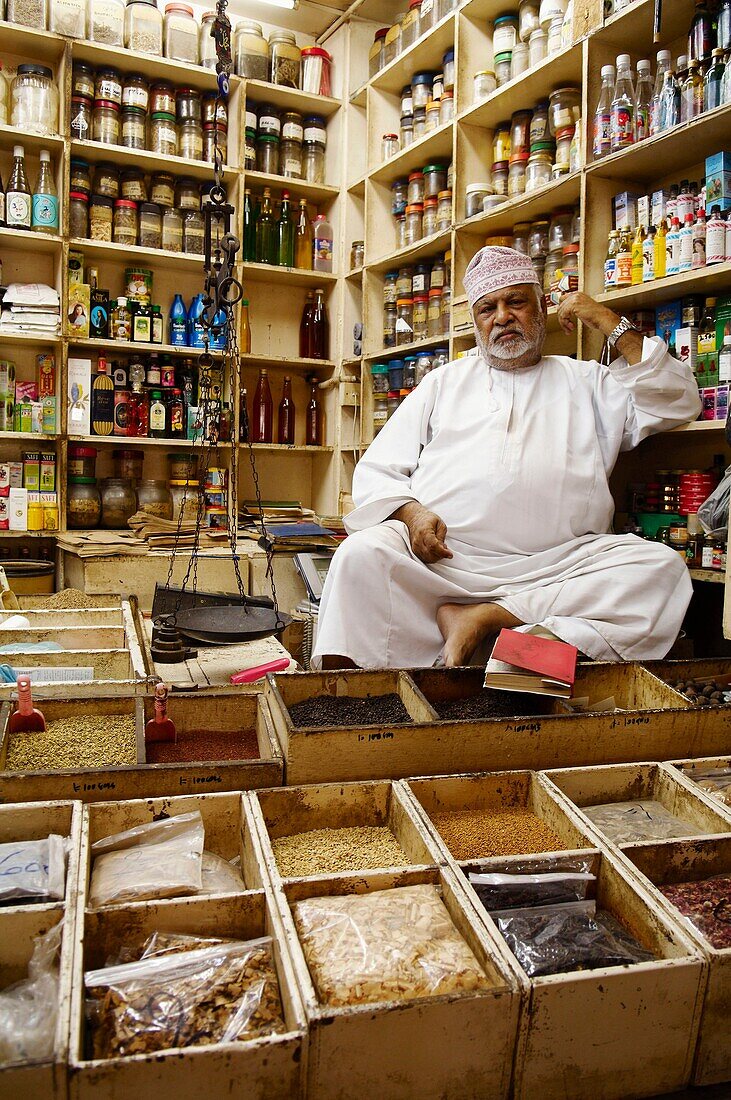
(344, 710)
(488, 704)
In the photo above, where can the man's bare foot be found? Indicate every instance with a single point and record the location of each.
(465, 626)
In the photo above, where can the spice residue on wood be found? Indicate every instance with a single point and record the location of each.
(471, 834)
(84, 741)
(327, 851)
(203, 746)
(488, 704)
(348, 710)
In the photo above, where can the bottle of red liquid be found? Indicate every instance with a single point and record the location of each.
(287, 414)
(306, 327)
(313, 422)
(262, 419)
(320, 328)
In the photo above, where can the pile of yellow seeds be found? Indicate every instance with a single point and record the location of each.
(327, 851)
(84, 741)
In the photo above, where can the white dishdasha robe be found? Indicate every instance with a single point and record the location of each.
(516, 463)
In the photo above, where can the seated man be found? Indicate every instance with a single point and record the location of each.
(484, 501)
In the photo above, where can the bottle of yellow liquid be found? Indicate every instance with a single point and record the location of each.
(660, 253)
(624, 257)
(637, 248)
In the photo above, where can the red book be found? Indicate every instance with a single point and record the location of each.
(528, 662)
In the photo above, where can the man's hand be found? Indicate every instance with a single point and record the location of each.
(580, 307)
(427, 532)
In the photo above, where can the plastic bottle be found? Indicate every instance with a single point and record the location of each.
(715, 237)
(18, 197)
(285, 233)
(306, 327)
(699, 240)
(671, 209)
(700, 35)
(322, 233)
(660, 260)
(685, 262)
(643, 101)
(672, 248)
(262, 411)
(610, 264)
(177, 323)
(663, 65)
(313, 425)
(196, 331)
(602, 143)
(691, 100)
(624, 257)
(245, 339)
(287, 413)
(44, 218)
(713, 81)
(303, 239)
(669, 102)
(638, 246)
(648, 256)
(320, 327)
(249, 242)
(622, 123)
(265, 231)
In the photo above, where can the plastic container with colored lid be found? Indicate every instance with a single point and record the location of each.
(81, 461)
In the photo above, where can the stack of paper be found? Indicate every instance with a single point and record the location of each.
(32, 308)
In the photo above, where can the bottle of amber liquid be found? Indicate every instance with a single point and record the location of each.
(320, 341)
(303, 239)
(285, 423)
(245, 347)
(262, 419)
(313, 422)
(306, 327)
(102, 400)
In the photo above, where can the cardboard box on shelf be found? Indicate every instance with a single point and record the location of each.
(78, 397)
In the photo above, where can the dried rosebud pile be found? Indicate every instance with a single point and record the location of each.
(707, 905)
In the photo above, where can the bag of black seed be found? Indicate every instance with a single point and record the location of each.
(497, 891)
(557, 939)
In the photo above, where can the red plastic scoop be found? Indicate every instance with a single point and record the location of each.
(26, 719)
(251, 675)
(160, 728)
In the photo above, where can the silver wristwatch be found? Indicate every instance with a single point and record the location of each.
(625, 325)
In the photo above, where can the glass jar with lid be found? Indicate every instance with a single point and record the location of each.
(432, 117)
(80, 175)
(82, 80)
(357, 254)
(420, 316)
(538, 170)
(34, 100)
(290, 158)
(499, 177)
(483, 84)
(501, 142)
(162, 98)
(448, 70)
(519, 60)
(150, 225)
(403, 283)
(404, 321)
(444, 211)
(28, 13)
(154, 496)
(125, 222)
(215, 136)
(132, 185)
(392, 43)
(435, 179)
(188, 104)
(180, 34)
(503, 66)
(315, 74)
(133, 127)
(105, 22)
(267, 154)
(143, 27)
(207, 56)
(172, 230)
(504, 33)
(119, 502)
(564, 108)
(520, 132)
(162, 189)
(163, 134)
(538, 239)
(284, 59)
(446, 108)
(390, 315)
(187, 194)
(537, 47)
(521, 235)
(517, 174)
(105, 123)
(81, 115)
(560, 228)
(251, 51)
(193, 232)
(399, 196)
(414, 222)
(135, 91)
(78, 214)
(411, 24)
(429, 222)
(474, 195)
(434, 315)
(406, 130)
(313, 149)
(83, 502)
(389, 146)
(390, 284)
(101, 211)
(419, 122)
(527, 19)
(190, 139)
(415, 192)
(421, 88)
(108, 85)
(554, 259)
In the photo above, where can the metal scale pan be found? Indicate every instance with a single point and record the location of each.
(230, 625)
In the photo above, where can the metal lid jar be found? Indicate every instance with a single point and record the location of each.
(188, 105)
(284, 59)
(135, 91)
(119, 502)
(133, 127)
(150, 225)
(101, 210)
(180, 33)
(251, 51)
(34, 100)
(163, 134)
(105, 123)
(82, 80)
(125, 222)
(162, 189)
(517, 174)
(108, 85)
(83, 502)
(143, 27)
(133, 186)
(162, 98)
(105, 22)
(80, 175)
(190, 139)
(435, 179)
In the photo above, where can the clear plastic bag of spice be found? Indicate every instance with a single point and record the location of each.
(714, 781)
(556, 939)
(32, 871)
(29, 1008)
(637, 821)
(515, 891)
(223, 993)
(162, 859)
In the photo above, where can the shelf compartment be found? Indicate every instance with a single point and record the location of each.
(140, 441)
(259, 91)
(357, 188)
(526, 89)
(634, 26)
(298, 189)
(25, 42)
(426, 53)
(408, 349)
(292, 276)
(25, 240)
(437, 145)
(37, 339)
(118, 253)
(95, 151)
(704, 280)
(427, 246)
(28, 437)
(709, 576)
(287, 448)
(701, 426)
(156, 68)
(285, 362)
(562, 192)
(33, 143)
(128, 347)
(669, 151)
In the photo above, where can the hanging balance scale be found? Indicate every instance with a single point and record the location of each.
(216, 618)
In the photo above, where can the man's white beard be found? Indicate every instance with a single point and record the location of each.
(519, 352)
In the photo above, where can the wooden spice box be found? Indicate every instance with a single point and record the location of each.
(289, 810)
(442, 1048)
(81, 618)
(268, 1068)
(69, 637)
(617, 1031)
(689, 861)
(112, 670)
(232, 711)
(655, 723)
(581, 787)
(19, 927)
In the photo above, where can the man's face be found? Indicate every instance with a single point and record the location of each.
(510, 327)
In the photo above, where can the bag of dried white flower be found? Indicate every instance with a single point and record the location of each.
(391, 945)
(162, 859)
(222, 994)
